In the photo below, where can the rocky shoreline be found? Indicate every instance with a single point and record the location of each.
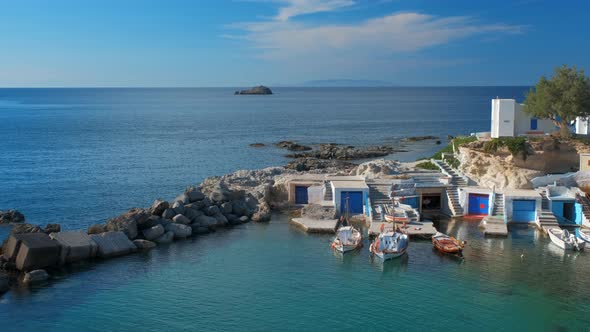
(31, 253)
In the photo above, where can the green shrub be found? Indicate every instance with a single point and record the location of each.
(518, 146)
(457, 142)
(427, 165)
(453, 162)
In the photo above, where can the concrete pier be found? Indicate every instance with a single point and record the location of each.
(417, 229)
(316, 226)
(494, 226)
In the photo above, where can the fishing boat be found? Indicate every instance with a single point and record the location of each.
(347, 239)
(585, 234)
(389, 245)
(565, 240)
(447, 244)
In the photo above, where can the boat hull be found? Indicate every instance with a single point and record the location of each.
(387, 256)
(585, 237)
(447, 244)
(566, 245)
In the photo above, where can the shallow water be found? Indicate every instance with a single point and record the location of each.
(273, 276)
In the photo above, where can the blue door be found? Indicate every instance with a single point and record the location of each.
(523, 210)
(478, 204)
(355, 202)
(411, 201)
(300, 195)
(533, 124)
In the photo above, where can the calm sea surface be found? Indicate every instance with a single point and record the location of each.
(79, 156)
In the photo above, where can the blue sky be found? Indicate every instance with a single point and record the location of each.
(288, 42)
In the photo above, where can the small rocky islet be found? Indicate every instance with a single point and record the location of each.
(258, 90)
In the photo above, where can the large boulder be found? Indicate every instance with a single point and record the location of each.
(192, 214)
(180, 219)
(35, 276)
(11, 216)
(221, 220)
(180, 231)
(149, 223)
(220, 193)
(158, 207)
(169, 213)
(128, 221)
(167, 237)
(183, 199)
(25, 228)
(52, 228)
(226, 208)
(97, 229)
(194, 195)
(31, 251)
(263, 214)
(212, 210)
(240, 208)
(144, 244)
(153, 232)
(112, 244)
(206, 221)
(178, 207)
(75, 246)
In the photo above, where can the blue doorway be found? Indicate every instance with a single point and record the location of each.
(478, 204)
(355, 202)
(523, 210)
(301, 195)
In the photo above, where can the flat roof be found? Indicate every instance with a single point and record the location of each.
(350, 184)
(521, 193)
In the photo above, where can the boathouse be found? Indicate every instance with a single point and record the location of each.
(521, 205)
(564, 204)
(477, 201)
(509, 120)
(306, 189)
(350, 192)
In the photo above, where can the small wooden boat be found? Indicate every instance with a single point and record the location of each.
(447, 244)
(565, 240)
(347, 239)
(585, 234)
(389, 245)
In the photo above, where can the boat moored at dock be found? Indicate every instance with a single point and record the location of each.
(448, 244)
(389, 245)
(347, 239)
(565, 240)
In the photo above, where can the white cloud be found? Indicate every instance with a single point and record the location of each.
(301, 7)
(395, 33)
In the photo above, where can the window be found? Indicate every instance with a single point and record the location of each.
(533, 124)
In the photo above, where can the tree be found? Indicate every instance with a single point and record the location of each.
(561, 98)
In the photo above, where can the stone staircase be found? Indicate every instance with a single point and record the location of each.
(583, 199)
(379, 194)
(456, 179)
(546, 218)
(328, 195)
(498, 209)
(453, 198)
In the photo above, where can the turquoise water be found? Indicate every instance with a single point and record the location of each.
(275, 277)
(79, 156)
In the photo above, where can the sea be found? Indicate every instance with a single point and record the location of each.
(80, 156)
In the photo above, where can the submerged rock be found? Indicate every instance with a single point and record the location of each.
(11, 216)
(258, 90)
(310, 164)
(144, 244)
(52, 228)
(35, 276)
(344, 152)
(257, 145)
(25, 228)
(419, 138)
(167, 237)
(292, 146)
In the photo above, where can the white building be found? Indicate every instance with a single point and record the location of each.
(509, 120)
(582, 126)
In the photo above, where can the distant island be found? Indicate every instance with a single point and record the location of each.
(259, 90)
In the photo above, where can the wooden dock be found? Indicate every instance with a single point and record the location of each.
(494, 226)
(316, 226)
(417, 229)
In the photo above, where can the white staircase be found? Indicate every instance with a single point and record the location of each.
(546, 218)
(453, 198)
(456, 178)
(379, 195)
(498, 209)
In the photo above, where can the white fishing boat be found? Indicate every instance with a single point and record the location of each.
(585, 234)
(565, 240)
(347, 239)
(389, 245)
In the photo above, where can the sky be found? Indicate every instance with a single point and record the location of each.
(240, 43)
